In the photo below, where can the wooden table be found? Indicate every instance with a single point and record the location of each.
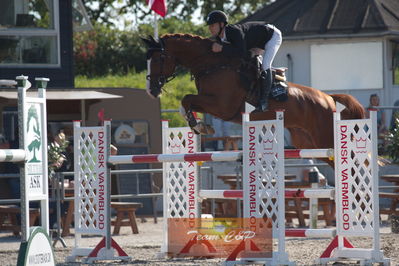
(394, 195)
(295, 207)
(9, 220)
(68, 218)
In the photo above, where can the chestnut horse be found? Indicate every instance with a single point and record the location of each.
(308, 111)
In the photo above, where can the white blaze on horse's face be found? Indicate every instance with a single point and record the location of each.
(148, 83)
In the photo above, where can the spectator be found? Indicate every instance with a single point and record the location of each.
(375, 102)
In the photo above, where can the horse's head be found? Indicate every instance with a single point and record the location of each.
(160, 66)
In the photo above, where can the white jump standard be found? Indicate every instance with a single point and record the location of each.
(356, 194)
(363, 153)
(32, 159)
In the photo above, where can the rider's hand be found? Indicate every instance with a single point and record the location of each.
(216, 48)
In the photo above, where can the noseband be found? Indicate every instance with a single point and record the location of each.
(162, 79)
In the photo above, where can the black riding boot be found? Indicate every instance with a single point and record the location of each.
(267, 79)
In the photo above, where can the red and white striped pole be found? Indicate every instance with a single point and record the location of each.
(309, 153)
(316, 233)
(168, 158)
(212, 156)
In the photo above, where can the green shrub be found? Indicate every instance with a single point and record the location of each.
(107, 51)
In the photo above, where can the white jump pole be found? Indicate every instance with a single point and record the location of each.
(12, 155)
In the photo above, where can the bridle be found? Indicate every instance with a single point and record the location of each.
(161, 78)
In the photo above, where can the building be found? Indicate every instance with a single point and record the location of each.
(339, 46)
(36, 38)
(36, 41)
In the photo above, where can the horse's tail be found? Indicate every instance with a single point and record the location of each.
(353, 110)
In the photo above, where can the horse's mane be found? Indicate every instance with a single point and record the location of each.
(185, 36)
(195, 43)
(188, 40)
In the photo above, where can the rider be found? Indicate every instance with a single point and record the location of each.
(238, 39)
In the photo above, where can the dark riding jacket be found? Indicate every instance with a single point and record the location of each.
(242, 37)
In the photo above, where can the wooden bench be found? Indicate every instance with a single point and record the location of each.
(394, 196)
(9, 219)
(125, 215)
(296, 210)
(227, 141)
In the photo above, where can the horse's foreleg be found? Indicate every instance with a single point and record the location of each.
(189, 116)
(197, 103)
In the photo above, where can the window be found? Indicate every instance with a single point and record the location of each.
(29, 32)
(81, 21)
(343, 66)
(395, 62)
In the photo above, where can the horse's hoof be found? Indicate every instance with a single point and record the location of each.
(203, 129)
(209, 130)
(196, 132)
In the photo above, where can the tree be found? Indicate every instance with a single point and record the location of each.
(135, 12)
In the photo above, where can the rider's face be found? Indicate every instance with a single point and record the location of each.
(214, 29)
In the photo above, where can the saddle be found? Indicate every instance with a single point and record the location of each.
(250, 76)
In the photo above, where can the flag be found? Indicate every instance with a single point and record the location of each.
(100, 116)
(159, 6)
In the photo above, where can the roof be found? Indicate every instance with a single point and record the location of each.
(63, 94)
(331, 17)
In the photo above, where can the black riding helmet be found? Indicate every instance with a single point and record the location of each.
(215, 17)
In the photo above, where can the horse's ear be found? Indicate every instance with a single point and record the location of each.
(156, 43)
(146, 41)
(152, 39)
(161, 44)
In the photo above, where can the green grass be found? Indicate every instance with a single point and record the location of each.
(171, 96)
(135, 80)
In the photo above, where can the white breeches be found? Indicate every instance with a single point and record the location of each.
(271, 48)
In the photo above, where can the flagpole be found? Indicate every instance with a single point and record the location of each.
(155, 26)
